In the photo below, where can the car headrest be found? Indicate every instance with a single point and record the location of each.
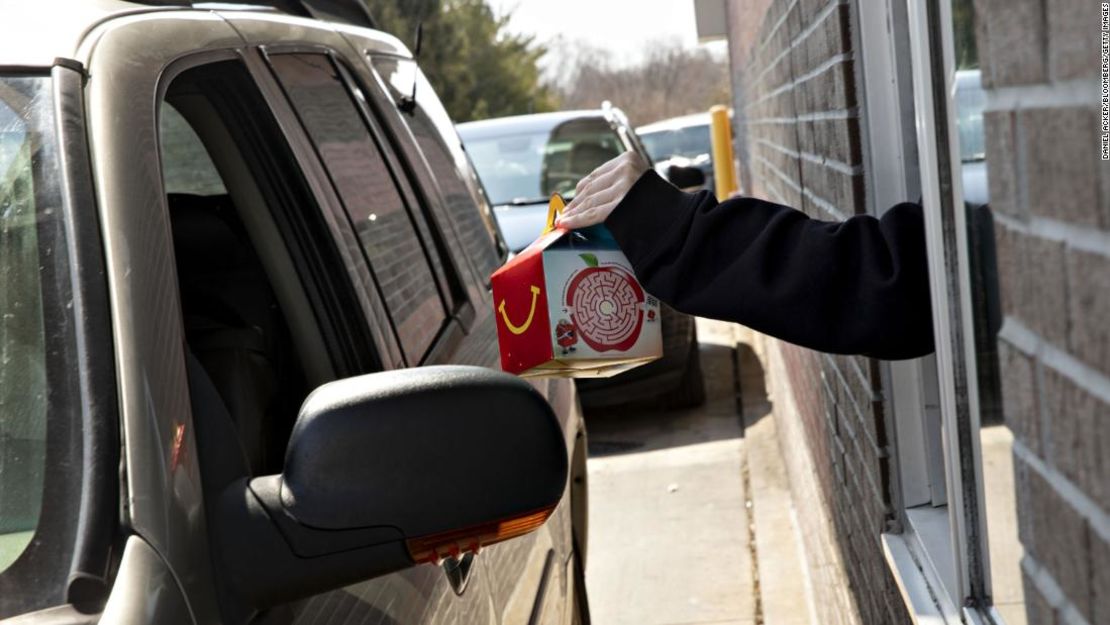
(588, 156)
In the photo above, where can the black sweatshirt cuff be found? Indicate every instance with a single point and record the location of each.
(636, 222)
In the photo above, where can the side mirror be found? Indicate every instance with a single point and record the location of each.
(388, 470)
(685, 177)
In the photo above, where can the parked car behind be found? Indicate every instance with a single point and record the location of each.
(239, 285)
(522, 160)
(683, 141)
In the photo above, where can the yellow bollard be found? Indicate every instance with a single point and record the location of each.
(724, 173)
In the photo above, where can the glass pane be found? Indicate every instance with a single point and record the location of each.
(691, 142)
(434, 132)
(22, 335)
(39, 426)
(996, 436)
(186, 166)
(527, 167)
(396, 253)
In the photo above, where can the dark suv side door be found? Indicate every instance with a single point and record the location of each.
(412, 282)
(531, 578)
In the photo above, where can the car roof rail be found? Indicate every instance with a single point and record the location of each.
(353, 12)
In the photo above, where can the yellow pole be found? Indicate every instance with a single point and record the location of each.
(724, 174)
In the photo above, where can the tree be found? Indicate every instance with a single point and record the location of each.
(477, 68)
(671, 80)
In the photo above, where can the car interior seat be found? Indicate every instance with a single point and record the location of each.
(233, 326)
(588, 155)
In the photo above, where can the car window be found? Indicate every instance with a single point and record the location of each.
(398, 256)
(659, 143)
(40, 414)
(186, 167)
(527, 167)
(434, 132)
(688, 141)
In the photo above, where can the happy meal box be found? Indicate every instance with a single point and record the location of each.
(570, 306)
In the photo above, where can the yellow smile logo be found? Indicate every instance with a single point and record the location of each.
(521, 329)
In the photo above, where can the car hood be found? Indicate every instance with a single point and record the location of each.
(521, 224)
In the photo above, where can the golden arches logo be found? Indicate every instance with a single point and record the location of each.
(521, 329)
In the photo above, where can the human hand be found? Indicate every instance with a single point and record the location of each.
(599, 193)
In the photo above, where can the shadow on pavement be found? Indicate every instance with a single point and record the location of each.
(733, 385)
(754, 400)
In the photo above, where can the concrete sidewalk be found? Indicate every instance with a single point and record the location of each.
(690, 513)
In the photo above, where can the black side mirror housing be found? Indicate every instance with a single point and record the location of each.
(387, 470)
(685, 177)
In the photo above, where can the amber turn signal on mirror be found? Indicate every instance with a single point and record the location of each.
(436, 547)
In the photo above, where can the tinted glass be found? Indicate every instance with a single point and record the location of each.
(434, 132)
(187, 167)
(40, 423)
(396, 253)
(527, 168)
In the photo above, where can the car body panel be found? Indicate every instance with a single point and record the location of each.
(521, 224)
(146, 591)
(164, 500)
(128, 60)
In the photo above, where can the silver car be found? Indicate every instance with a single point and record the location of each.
(522, 160)
(246, 338)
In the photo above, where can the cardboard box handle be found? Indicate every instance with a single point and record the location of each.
(554, 207)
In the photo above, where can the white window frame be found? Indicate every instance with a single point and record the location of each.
(937, 550)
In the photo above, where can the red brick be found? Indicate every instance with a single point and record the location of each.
(1061, 161)
(1061, 541)
(998, 127)
(1037, 610)
(1079, 433)
(1011, 260)
(1014, 41)
(1100, 582)
(1089, 308)
(1072, 39)
(1019, 398)
(1045, 294)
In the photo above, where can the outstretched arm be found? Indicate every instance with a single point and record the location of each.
(854, 287)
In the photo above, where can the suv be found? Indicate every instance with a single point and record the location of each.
(241, 276)
(522, 160)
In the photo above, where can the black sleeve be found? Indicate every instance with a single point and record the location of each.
(854, 287)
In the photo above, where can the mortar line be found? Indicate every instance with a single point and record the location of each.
(746, 484)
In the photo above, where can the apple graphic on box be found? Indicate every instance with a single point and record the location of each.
(606, 305)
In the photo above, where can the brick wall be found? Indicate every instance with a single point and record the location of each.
(1051, 197)
(797, 120)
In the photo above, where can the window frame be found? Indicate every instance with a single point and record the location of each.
(385, 349)
(953, 317)
(938, 553)
(445, 272)
(418, 167)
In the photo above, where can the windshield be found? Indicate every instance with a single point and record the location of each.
(38, 420)
(688, 142)
(526, 168)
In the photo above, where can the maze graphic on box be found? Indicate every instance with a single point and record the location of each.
(606, 305)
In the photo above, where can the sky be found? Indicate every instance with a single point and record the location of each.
(619, 26)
